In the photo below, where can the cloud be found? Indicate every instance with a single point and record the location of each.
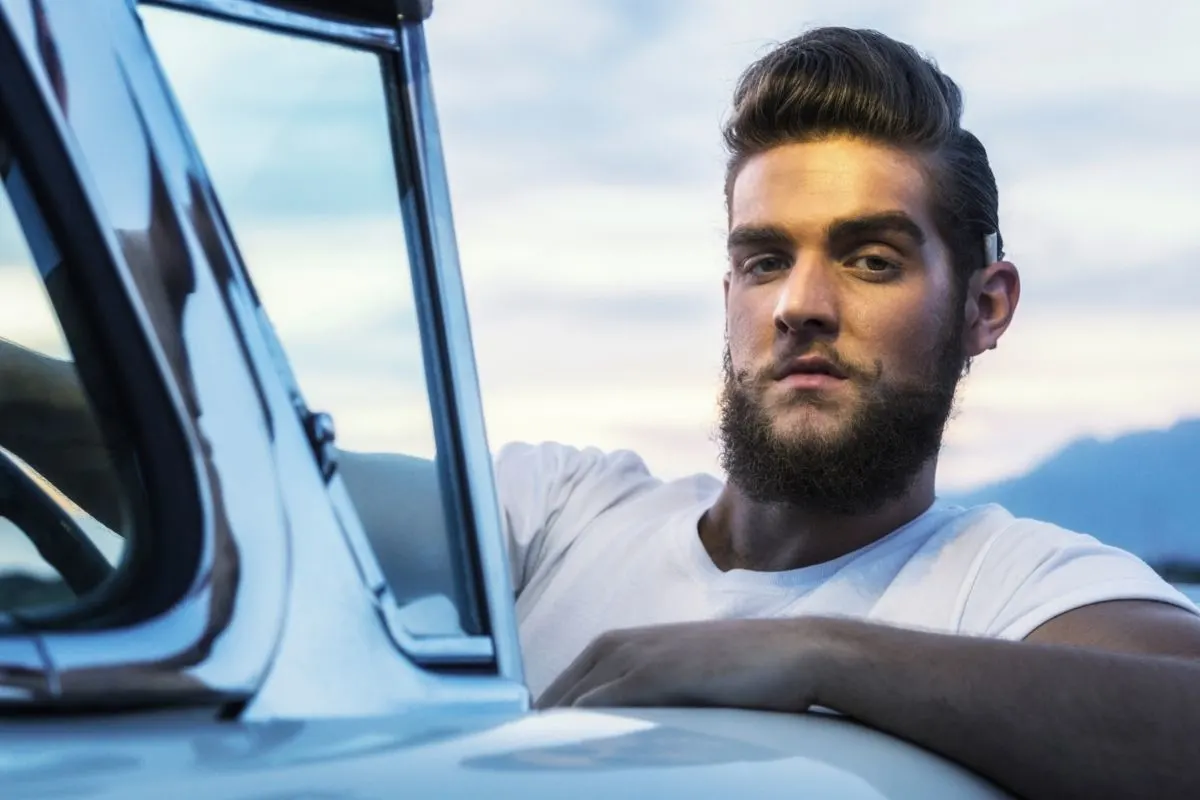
(1024, 54)
(1170, 287)
(1118, 215)
(583, 148)
(598, 237)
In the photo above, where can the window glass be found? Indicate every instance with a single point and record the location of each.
(53, 447)
(295, 135)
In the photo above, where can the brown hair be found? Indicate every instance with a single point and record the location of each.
(842, 81)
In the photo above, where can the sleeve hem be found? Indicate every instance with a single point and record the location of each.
(1105, 592)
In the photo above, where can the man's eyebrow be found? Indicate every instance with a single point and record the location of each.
(759, 236)
(875, 224)
(843, 231)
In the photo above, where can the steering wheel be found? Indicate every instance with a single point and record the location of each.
(57, 536)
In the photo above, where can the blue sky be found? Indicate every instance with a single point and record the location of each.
(582, 138)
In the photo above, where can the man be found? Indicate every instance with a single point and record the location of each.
(864, 275)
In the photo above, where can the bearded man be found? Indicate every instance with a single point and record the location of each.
(865, 272)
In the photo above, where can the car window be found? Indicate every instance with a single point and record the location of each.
(54, 448)
(295, 135)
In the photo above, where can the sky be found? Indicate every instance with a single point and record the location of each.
(585, 159)
(583, 146)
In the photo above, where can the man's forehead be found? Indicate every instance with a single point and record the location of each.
(809, 187)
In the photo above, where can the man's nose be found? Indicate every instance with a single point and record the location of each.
(807, 303)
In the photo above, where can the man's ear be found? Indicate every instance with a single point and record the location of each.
(992, 296)
(725, 284)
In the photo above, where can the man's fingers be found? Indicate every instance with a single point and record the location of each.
(569, 677)
(630, 689)
(575, 679)
(607, 695)
(625, 691)
(609, 658)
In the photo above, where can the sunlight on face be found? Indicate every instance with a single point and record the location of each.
(833, 255)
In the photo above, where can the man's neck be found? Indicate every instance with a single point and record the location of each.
(739, 533)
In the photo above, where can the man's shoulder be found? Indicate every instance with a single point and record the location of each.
(558, 462)
(554, 495)
(997, 528)
(550, 467)
(587, 482)
(988, 545)
(1026, 571)
(559, 455)
(991, 525)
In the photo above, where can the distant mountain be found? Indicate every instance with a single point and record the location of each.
(1140, 492)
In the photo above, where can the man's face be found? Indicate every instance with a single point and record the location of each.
(844, 326)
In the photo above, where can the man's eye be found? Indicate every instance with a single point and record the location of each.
(877, 265)
(761, 265)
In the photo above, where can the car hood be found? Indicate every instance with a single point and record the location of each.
(667, 753)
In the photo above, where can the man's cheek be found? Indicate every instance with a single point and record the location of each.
(741, 362)
(750, 349)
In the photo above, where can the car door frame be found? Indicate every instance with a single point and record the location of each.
(140, 296)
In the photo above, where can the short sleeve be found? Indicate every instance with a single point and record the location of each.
(550, 493)
(1032, 572)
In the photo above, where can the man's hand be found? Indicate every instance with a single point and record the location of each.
(773, 664)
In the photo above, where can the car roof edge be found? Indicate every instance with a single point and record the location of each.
(370, 12)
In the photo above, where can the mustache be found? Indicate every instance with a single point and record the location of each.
(767, 373)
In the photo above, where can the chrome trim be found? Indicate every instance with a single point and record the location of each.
(251, 12)
(370, 571)
(433, 650)
(151, 198)
(463, 455)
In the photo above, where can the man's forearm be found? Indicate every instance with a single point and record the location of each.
(1040, 720)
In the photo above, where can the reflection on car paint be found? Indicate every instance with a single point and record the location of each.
(222, 413)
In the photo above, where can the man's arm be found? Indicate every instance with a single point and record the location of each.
(1100, 702)
(1103, 701)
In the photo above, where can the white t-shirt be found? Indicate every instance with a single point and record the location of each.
(596, 543)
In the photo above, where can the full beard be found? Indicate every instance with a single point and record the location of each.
(872, 460)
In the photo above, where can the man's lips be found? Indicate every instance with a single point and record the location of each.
(809, 367)
(811, 380)
(809, 373)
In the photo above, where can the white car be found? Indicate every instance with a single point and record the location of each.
(250, 611)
